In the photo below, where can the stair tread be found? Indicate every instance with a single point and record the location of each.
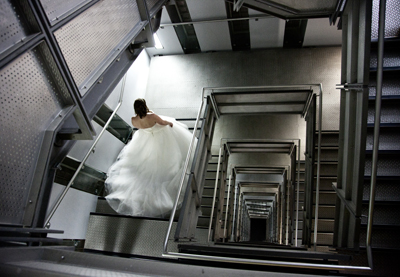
(257, 251)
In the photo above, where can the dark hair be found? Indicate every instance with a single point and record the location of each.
(140, 107)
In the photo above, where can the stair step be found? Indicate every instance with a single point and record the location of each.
(383, 237)
(257, 252)
(390, 112)
(129, 235)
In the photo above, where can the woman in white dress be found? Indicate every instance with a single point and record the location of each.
(145, 178)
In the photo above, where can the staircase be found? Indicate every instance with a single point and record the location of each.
(386, 219)
(110, 232)
(327, 196)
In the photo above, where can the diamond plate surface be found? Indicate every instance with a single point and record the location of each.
(390, 112)
(90, 38)
(128, 235)
(390, 86)
(24, 117)
(392, 20)
(387, 166)
(391, 58)
(383, 215)
(388, 139)
(384, 191)
(382, 238)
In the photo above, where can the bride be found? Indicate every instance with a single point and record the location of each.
(145, 178)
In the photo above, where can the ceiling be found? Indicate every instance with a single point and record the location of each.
(215, 26)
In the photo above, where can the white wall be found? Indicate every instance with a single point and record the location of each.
(72, 216)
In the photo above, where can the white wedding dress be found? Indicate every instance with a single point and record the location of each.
(145, 178)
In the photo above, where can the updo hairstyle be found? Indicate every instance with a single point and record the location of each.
(140, 107)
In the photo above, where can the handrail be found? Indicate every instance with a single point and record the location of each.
(227, 206)
(60, 199)
(215, 195)
(253, 261)
(378, 97)
(184, 173)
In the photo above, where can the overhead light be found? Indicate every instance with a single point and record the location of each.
(157, 41)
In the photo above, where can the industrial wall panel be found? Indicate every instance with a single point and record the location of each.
(89, 41)
(15, 26)
(24, 118)
(58, 9)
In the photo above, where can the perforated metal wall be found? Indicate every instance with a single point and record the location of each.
(59, 9)
(31, 95)
(90, 40)
(392, 22)
(13, 27)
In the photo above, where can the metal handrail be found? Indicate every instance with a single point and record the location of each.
(60, 199)
(227, 206)
(184, 173)
(378, 97)
(253, 261)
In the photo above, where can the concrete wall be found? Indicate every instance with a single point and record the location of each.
(175, 84)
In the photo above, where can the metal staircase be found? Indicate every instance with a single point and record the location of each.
(386, 217)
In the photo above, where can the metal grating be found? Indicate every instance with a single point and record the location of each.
(13, 26)
(31, 96)
(392, 22)
(58, 9)
(89, 40)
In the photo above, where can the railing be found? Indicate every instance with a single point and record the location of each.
(82, 163)
(225, 141)
(168, 254)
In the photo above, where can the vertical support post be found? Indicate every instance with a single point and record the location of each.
(297, 194)
(318, 168)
